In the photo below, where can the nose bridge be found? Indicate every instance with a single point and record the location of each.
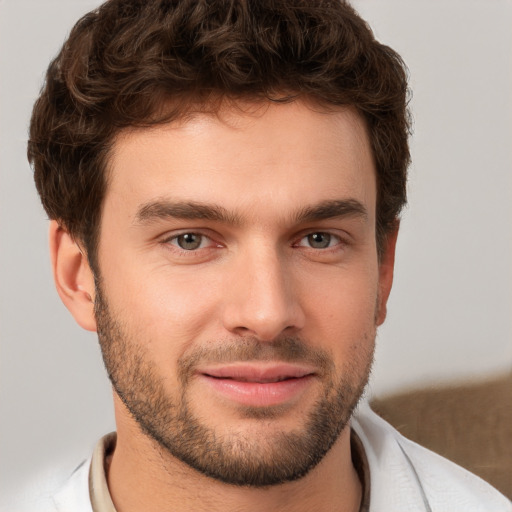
(262, 301)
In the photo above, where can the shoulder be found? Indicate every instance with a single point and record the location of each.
(74, 494)
(51, 494)
(405, 476)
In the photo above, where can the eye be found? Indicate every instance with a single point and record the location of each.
(190, 241)
(319, 240)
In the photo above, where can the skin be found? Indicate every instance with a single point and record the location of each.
(255, 276)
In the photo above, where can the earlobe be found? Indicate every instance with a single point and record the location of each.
(73, 276)
(386, 269)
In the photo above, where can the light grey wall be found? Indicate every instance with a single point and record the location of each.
(450, 315)
(451, 307)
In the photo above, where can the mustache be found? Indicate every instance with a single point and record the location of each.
(290, 349)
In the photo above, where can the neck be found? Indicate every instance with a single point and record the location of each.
(143, 476)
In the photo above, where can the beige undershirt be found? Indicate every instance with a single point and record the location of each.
(102, 502)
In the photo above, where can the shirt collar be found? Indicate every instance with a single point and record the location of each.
(101, 500)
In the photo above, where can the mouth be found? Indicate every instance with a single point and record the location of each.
(258, 385)
(260, 380)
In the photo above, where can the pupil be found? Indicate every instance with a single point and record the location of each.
(189, 241)
(319, 240)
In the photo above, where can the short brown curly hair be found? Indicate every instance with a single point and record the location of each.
(127, 59)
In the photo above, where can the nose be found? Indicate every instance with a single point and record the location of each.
(262, 299)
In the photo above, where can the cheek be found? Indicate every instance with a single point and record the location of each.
(164, 308)
(342, 312)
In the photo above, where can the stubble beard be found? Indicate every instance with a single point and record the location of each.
(239, 458)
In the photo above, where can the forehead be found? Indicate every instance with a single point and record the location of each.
(252, 157)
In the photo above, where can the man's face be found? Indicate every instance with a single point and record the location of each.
(239, 289)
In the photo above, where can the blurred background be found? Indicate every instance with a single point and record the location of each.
(450, 312)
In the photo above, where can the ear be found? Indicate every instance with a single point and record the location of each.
(73, 277)
(386, 268)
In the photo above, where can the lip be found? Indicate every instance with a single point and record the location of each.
(258, 385)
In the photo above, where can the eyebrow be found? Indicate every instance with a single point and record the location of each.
(332, 209)
(191, 210)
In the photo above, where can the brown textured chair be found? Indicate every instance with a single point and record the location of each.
(470, 424)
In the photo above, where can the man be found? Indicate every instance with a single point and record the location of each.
(224, 181)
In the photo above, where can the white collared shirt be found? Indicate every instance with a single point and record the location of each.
(403, 477)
